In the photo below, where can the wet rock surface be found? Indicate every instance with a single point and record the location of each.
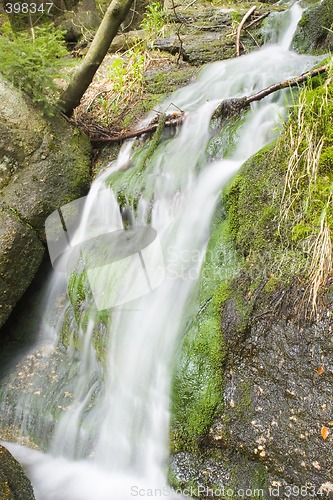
(21, 253)
(218, 474)
(14, 483)
(313, 32)
(278, 393)
(275, 429)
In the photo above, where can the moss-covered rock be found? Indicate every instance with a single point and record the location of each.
(205, 33)
(14, 483)
(45, 163)
(52, 159)
(313, 32)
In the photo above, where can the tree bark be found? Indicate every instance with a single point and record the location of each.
(114, 16)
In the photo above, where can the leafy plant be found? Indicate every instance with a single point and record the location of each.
(126, 77)
(33, 63)
(154, 20)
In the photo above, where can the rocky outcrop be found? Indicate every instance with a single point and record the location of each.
(278, 388)
(44, 163)
(14, 483)
(266, 422)
(315, 28)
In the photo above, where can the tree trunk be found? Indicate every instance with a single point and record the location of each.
(114, 16)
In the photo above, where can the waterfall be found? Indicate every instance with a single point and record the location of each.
(112, 438)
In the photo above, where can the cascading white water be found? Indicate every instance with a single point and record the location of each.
(106, 450)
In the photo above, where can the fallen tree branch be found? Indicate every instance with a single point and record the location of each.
(241, 24)
(231, 107)
(225, 110)
(172, 120)
(294, 82)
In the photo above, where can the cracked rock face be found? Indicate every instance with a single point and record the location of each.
(278, 393)
(44, 163)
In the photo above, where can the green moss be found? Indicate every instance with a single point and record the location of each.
(279, 205)
(250, 203)
(198, 385)
(165, 82)
(223, 145)
(131, 183)
(79, 314)
(312, 33)
(272, 227)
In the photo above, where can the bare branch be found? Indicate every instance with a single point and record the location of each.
(241, 24)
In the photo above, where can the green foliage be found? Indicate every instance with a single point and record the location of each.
(280, 207)
(127, 74)
(33, 62)
(198, 384)
(154, 20)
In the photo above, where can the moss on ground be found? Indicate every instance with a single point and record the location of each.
(163, 82)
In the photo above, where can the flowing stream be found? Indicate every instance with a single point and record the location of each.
(112, 439)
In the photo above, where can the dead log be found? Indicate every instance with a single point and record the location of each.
(294, 82)
(226, 109)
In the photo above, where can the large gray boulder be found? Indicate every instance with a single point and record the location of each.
(44, 163)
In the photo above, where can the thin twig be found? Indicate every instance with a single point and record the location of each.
(178, 32)
(241, 24)
(257, 20)
(189, 5)
(250, 35)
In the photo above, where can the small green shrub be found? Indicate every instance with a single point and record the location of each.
(33, 62)
(126, 78)
(127, 75)
(154, 20)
